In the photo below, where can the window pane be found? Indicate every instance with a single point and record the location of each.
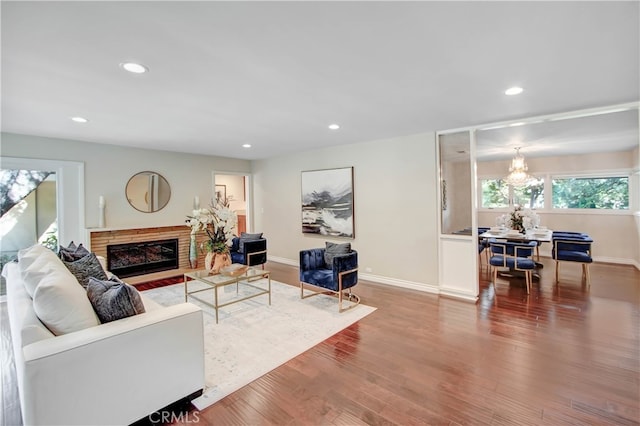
(591, 193)
(495, 193)
(530, 196)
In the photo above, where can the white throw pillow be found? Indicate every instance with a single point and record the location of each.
(34, 264)
(62, 304)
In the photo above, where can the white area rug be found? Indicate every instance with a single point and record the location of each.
(252, 338)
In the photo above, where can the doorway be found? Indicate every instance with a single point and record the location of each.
(235, 189)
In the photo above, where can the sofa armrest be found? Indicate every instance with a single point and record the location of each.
(118, 372)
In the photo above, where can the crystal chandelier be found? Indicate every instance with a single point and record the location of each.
(518, 175)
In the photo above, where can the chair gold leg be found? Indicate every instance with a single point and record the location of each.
(587, 274)
(495, 277)
(352, 297)
(556, 271)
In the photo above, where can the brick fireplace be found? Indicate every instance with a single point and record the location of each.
(100, 239)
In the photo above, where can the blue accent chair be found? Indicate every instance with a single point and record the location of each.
(335, 279)
(513, 255)
(573, 248)
(568, 234)
(483, 243)
(254, 253)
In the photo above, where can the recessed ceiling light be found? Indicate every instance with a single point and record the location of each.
(334, 126)
(79, 119)
(520, 123)
(134, 68)
(246, 145)
(513, 91)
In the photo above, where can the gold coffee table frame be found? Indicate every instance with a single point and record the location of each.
(219, 280)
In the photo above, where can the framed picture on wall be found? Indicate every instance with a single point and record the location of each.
(221, 192)
(327, 202)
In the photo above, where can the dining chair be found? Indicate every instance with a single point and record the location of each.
(513, 255)
(573, 249)
(483, 244)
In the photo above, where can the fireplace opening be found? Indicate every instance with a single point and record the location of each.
(128, 260)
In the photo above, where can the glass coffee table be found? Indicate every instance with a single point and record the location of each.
(214, 282)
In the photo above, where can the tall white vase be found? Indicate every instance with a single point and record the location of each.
(193, 252)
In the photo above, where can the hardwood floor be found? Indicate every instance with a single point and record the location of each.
(565, 354)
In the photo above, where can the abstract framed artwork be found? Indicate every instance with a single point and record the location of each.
(327, 202)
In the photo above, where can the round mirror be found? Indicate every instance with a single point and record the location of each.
(148, 192)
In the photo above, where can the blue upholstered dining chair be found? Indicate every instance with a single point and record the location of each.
(573, 248)
(513, 255)
(568, 234)
(483, 243)
(335, 277)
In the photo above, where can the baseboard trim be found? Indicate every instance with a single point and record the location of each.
(283, 260)
(605, 259)
(617, 261)
(412, 285)
(454, 293)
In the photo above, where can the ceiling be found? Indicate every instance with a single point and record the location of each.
(276, 74)
(612, 129)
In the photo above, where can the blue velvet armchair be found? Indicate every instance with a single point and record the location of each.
(337, 278)
(573, 247)
(252, 253)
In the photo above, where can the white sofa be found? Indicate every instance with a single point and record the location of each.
(113, 373)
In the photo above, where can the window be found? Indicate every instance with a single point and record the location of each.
(496, 194)
(611, 193)
(530, 196)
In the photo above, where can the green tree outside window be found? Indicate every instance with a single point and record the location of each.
(611, 193)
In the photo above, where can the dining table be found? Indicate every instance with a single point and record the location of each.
(540, 235)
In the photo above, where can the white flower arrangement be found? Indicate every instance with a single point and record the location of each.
(218, 221)
(520, 219)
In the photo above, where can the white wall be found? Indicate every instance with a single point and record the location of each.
(107, 169)
(635, 206)
(615, 234)
(395, 209)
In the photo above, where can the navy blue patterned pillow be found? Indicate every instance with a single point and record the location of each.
(72, 252)
(85, 268)
(114, 299)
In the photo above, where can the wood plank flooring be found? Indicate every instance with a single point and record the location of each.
(565, 354)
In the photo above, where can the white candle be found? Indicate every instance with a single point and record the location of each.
(101, 223)
(196, 202)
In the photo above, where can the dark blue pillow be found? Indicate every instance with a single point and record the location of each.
(85, 268)
(72, 252)
(114, 299)
(333, 249)
(244, 237)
